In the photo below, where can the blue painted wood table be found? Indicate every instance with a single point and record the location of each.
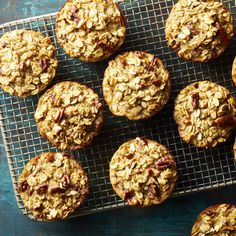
(174, 217)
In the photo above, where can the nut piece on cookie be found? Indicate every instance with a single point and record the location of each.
(27, 62)
(143, 172)
(52, 186)
(136, 85)
(90, 30)
(69, 115)
(199, 30)
(205, 114)
(216, 220)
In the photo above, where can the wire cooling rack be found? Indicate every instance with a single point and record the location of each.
(199, 169)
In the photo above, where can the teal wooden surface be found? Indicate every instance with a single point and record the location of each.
(174, 217)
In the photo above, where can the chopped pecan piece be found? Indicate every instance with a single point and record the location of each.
(164, 163)
(23, 186)
(22, 66)
(50, 157)
(44, 63)
(153, 189)
(140, 54)
(196, 85)
(150, 171)
(195, 100)
(56, 189)
(221, 33)
(128, 195)
(122, 60)
(4, 44)
(42, 189)
(157, 82)
(225, 121)
(74, 9)
(60, 115)
(65, 181)
(38, 208)
(98, 104)
(129, 156)
(145, 140)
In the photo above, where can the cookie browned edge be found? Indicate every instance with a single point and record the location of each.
(84, 196)
(123, 22)
(207, 210)
(100, 114)
(169, 89)
(169, 192)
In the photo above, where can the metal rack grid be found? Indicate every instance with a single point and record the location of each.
(199, 169)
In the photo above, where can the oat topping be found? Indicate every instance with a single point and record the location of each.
(217, 220)
(69, 115)
(234, 71)
(199, 30)
(143, 172)
(136, 85)
(27, 62)
(90, 30)
(52, 186)
(207, 118)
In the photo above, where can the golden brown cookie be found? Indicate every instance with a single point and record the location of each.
(217, 220)
(69, 115)
(143, 172)
(205, 114)
(90, 30)
(52, 186)
(136, 85)
(199, 30)
(27, 62)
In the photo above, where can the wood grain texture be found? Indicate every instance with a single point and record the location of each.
(173, 218)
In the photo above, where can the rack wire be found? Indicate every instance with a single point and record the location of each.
(198, 169)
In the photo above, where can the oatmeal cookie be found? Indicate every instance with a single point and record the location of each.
(199, 30)
(234, 71)
(136, 85)
(143, 172)
(69, 115)
(52, 186)
(27, 62)
(90, 30)
(217, 220)
(205, 113)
